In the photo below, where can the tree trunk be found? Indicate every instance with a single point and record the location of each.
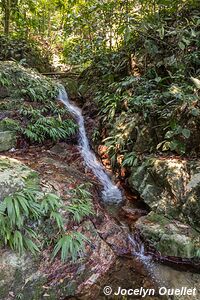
(7, 17)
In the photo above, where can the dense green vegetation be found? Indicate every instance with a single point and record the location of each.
(148, 92)
(32, 96)
(26, 216)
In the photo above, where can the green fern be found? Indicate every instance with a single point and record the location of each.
(22, 212)
(19, 211)
(71, 246)
(129, 160)
(49, 128)
(81, 203)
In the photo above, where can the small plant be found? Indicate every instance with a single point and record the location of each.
(96, 135)
(129, 160)
(51, 128)
(81, 204)
(174, 139)
(9, 124)
(71, 245)
(21, 212)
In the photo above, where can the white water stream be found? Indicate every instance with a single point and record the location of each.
(162, 275)
(110, 193)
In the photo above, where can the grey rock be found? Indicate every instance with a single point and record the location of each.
(7, 140)
(170, 237)
(170, 187)
(15, 176)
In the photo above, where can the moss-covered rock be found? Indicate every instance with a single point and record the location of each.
(32, 52)
(71, 85)
(7, 140)
(170, 187)
(8, 134)
(17, 274)
(25, 82)
(29, 107)
(15, 176)
(169, 237)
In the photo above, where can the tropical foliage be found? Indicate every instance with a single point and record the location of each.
(23, 214)
(150, 105)
(38, 116)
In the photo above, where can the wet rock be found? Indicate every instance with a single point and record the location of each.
(102, 259)
(71, 87)
(133, 213)
(116, 236)
(170, 186)
(169, 237)
(15, 176)
(173, 279)
(7, 140)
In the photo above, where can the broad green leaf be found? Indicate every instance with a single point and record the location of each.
(186, 133)
(181, 45)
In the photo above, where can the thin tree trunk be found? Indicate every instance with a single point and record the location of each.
(7, 17)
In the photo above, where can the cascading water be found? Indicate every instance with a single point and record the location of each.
(111, 193)
(138, 251)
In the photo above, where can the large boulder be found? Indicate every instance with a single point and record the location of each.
(37, 278)
(169, 237)
(170, 187)
(40, 277)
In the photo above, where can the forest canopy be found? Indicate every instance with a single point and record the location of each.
(82, 29)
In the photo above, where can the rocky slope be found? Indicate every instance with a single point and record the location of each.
(38, 276)
(170, 187)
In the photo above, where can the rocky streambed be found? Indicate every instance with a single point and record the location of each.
(107, 259)
(111, 259)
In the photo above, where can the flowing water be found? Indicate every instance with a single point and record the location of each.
(160, 274)
(110, 193)
(138, 251)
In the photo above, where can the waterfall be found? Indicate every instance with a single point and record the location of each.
(110, 193)
(146, 260)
